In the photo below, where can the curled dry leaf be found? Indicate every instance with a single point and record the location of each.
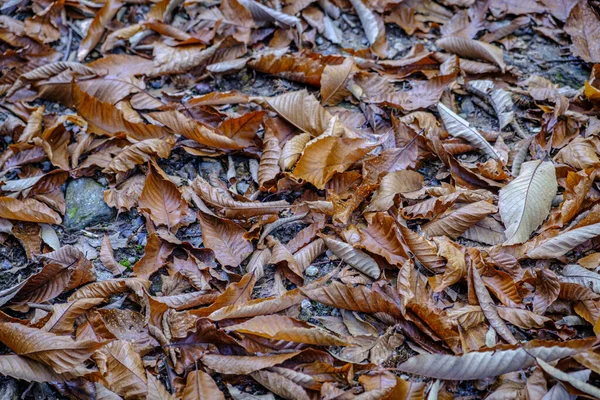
(470, 48)
(292, 150)
(269, 161)
(563, 243)
(568, 378)
(244, 365)
(525, 202)
(454, 223)
(353, 257)
(489, 308)
(96, 29)
(458, 127)
(108, 259)
(483, 364)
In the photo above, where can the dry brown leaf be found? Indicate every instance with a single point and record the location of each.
(199, 385)
(583, 24)
(279, 327)
(457, 221)
(269, 160)
(243, 365)
(59, 352)
(226, 239)
(302, 110)
(139, 153)
(353, 257)
(322, 158)
(161, 199)
(381, 237)
(356, 298)
(122, 368)
(392, 184)
(333, 82)
(96, 29)
(28, 210)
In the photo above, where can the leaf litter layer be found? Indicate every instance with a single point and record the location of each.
(319, 199)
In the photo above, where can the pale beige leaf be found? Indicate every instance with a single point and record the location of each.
(568, 378)
(28, 370)
(353, 257)
(261, 12)
(575, 274)
(292, 149)
(525, 202)
(563, 243)
(501, 100)
(489, 308)
(281, 385)
(367, 19)
(491, 363)
(459, 127)
(472, 49)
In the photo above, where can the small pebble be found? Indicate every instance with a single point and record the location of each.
(311, 271)
(319, 40)
(132, 259)
(305, 304)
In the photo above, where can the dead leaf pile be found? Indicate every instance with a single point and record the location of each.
(372, 210)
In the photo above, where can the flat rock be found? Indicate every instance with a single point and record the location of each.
(85, 204)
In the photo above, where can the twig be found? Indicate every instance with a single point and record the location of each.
(68, 49)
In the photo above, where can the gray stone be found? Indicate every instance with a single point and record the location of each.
(311, 271)
(85, 204)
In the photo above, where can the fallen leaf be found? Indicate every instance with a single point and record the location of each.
(525, 202)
